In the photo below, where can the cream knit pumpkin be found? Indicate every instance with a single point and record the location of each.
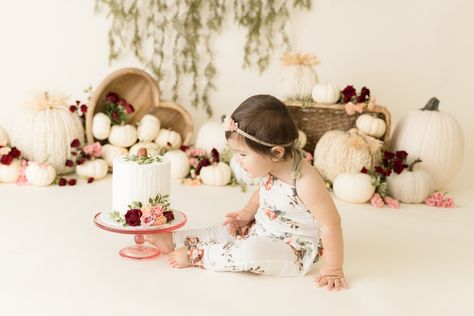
(44, 132)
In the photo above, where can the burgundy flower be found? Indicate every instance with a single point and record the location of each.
(129, 109)
(115, 116)
(15, 153)
(80, 161)
(69, 163)
(364, 170)
(388, 155)
(75, 143)
(112, 97)
(214, 155)
(6, 159)
(364, 95)
(398, 166)
(388, 172)
(401, 154)
(72, 181)
(83, 108)
(90, 179)
(72, 108)
(169, 216)
(62, 182)
(132, 217)
(380, 170)
(348, 93)
(203, 163)
(183, 148)
(123, 103)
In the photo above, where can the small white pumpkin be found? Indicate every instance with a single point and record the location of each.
(109, 152)
(96, 168)
(216, 174)
(240, 174)
(179, 162)
(148, 128)
(40, 174)
(101, 126)
(4, 139)
(410, 186)
(168, 139)
(353, 187)
(151, 148)
(370, 125)
(9, 173)
(325, 93)
(302, 138)
(123, 135)
(211, 135)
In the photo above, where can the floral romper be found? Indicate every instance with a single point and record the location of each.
(283, 240)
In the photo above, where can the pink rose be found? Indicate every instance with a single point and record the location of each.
(94, 149)
(377, 200)
(391, 202)
(438, 197)
(160, 220)
(449, 202)
(147, 220)
(157, 210)
(193, 162)
(430, 201)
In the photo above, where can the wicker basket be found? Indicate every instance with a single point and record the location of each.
(316, 119)
(141, 90)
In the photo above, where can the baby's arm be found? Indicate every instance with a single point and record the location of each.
(312, 191)
(239, 219)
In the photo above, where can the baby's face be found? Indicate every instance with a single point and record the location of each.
(255, 164)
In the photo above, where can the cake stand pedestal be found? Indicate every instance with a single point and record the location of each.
(140, 250)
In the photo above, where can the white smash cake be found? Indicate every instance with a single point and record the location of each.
(140, 190)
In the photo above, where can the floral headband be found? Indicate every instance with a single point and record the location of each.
(231, 126)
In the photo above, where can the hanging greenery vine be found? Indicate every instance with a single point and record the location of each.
(174, 38)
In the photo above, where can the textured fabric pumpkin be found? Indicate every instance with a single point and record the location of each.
(168, 139)
(101, 126)
(298, 76)
(436, 138)
(179, 162)
(410, 186)
(325, 93)
(96, 168)
(151, 148)
(371, 125)
(9, 173)
(345, 152)
(4, 139)
(148, 128)
(123, 135)
(211, 135)
(240, 174)
(40, 174)
(109, 152)
(44, 132)
(353, 187)
(216, 174)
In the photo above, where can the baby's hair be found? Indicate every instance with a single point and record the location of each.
(267, 119)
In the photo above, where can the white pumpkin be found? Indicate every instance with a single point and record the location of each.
(297, 82)
(179, 162)
(436, 138)
(240, 174)
(216, 174)
(353, 187)
(151, 148)
(211, 135)
(148, 128)
(168, 139)
(370, 125)
(10, 173)
(44, 132)
(96, 168)
(109, 152)
(302, 138)
(4, 139)
(410, 186)
(101, 126)
(345, 152)
(40, 174)
(325, 93)
(123, 135)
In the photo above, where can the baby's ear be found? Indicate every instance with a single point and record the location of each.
(278, 152)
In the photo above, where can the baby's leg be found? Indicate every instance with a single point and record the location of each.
(162, 241)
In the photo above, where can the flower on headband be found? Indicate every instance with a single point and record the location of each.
(229, 124)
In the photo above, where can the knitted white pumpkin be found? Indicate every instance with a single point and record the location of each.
(151, 148)
(168, 139)
(148, 128)
(40, 174)
(179, 162)
(4, 139)
(109, 152)
(45, 131)
(345, 152)
(298, 76)
(240, 174)
(9, 173)
(211, 135)
(216, 174)
(96, 168)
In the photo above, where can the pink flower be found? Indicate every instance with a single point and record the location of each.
(449, 202)
(94, 149)
(193, 162)
(308, 157)
(430, 201)
(21, 173)
(197, 152)
(160, 220)
(230, 125)
(270, 214)
(439, 199)
(157, 210)
(391, 202)
(377, 200)
(147, 220)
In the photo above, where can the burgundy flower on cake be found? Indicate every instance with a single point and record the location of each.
(132, 217)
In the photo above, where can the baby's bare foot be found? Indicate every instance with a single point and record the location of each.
(162, 241)
(179, 258)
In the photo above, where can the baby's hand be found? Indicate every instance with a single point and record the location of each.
(237, 220)
(332, 278)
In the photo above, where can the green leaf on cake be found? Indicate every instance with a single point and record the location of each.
(117, 217)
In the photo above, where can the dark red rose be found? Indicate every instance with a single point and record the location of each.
(364, 95)
(15, 153)
(129, 109)
(169, 216)
(214, 155)
(380, 170)
(388, 155)
(115, 116)
(86, 156)
(80, 161)
(398, 166)
(386, 162)
(90, 179)
(203, 163)
(69, 163)
(364, 170)
(112, 97)
(74, 153)
(6, 159)
(75, 143)
(83, 108)
(72, 181)
(348, 93)
(73, 108)
(62, 182)
(401, 154)
(388, 172)
(132, 217)
(183, 148)
(123, 103)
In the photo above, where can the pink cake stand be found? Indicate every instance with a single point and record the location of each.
(140, 250)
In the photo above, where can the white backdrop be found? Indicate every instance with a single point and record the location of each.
(404, 51)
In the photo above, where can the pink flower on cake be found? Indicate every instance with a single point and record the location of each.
(160, 220)
(94, 149)
(377, 200)
(147, 220)
(157, 210)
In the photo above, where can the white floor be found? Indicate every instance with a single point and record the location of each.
(54, 261)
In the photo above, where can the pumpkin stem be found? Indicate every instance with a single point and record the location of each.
(410, 167)
(432, 105)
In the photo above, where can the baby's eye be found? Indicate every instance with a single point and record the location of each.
(242, 155)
